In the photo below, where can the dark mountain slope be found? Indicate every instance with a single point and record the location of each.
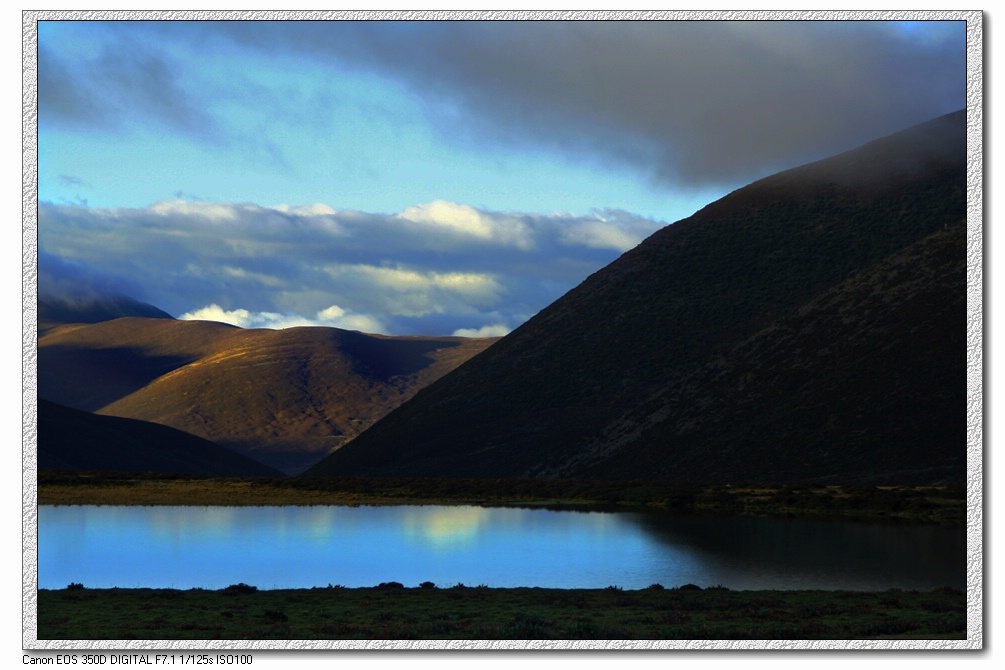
(69, 439)
(687, 295)
(285, 397)
(866, 383)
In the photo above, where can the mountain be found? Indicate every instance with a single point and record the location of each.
(57, 310)
(603, 382)
(283, 397)
(864, 384)
(69, 439)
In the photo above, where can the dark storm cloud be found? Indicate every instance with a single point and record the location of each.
(689, 102)
(127, 83)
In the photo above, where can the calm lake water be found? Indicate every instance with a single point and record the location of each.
(300, 547)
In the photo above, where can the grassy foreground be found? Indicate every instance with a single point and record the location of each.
(939, 504)
(393, 612)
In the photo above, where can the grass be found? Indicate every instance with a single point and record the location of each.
(393, 612)
(935, 504)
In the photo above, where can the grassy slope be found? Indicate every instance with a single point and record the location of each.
(285, 398)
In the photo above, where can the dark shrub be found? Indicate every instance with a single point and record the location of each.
(427, 585)
(240, 588)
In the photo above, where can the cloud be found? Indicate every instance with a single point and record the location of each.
(130, 77)
(125, 83)
(688, 102)
(608, 229)
(407, 292)
(70, 180)
(66, 280)
(236, 317)
(468, 221)
(495, 330)
(210, 211)
(333, 316)
(431, 269)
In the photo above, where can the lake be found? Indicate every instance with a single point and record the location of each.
(302, 547)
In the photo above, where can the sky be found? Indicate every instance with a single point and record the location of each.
(431, 178)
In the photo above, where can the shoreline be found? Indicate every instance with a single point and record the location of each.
(904, 503)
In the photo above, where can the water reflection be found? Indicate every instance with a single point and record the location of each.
(446, 527)
(799, 554)
(299, 547)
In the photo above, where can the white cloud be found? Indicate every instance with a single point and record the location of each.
(235, 317)
(459, 218)
(496, 330)
(317, 209)
(212, 211)
(466, 220)
(337, 317)
(333, 316)
(331, 313)
(433, 269)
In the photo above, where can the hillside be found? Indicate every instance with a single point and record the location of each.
(283, 397)
(69, 439)
(57, 310)
(865, 384)
(545, 399)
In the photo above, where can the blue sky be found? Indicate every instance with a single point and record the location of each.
(431, 177)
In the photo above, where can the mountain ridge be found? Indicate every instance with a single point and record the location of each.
(691, 292)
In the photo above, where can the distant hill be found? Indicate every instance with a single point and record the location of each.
(607, 381)
(54, 311)
(284, 397)
(69, 439)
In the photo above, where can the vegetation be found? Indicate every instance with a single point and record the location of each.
(943, 504)
(391, 611)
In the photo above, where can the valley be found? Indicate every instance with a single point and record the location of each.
(805, 329)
